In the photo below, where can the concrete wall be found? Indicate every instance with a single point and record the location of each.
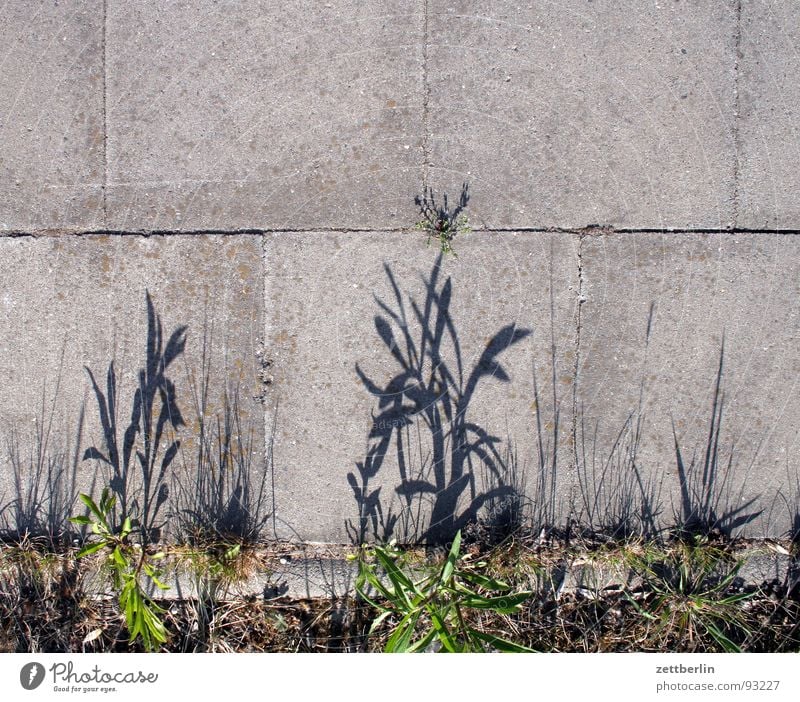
(615, 343)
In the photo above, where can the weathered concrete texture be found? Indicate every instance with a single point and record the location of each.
(298, 577)
(305, 575)
(69, 303)
(573, 113)
(348, 382)
(657, 311)
(263, 114)
(769, 109)
(51, 120)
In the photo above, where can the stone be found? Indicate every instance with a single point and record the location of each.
(356, 426)
(71, 305)
(51, 129)
(264, 115)
(688, 356)
(613, 114)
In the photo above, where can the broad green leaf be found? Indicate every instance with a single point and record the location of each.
(442, 632)
(423, 643)
(378, 621)
(160, 585)
(460, 589)
(484, 582)
(362, 592)
(502, 645)
(452, 557)
(402, 585)
(108, 500)
(401, 638)
(129, 594)
(506, 604)
(375, 582)
(118, 558)
(84, 521)
(89, 502)
(90, 549)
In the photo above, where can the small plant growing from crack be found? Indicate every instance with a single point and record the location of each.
(439, 221)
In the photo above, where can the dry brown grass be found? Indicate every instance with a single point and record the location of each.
(44, 606)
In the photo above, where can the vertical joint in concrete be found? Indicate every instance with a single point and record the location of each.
(265, 361)
(425, 96)
(736, 138)
(581, 298)
(105, 120)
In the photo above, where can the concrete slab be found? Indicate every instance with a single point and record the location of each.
(51, 122)
(566, 114)
(355, 455)
(263, 114)
(304, 575)
(657, 310)
(75, 302)
(769, 108)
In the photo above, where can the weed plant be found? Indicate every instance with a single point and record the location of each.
(439, 221)
(130, 566)
(431, 613)
(690, 595)
(213, 570)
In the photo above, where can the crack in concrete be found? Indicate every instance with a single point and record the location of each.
(736, 136)
(583, 232)
(581, 298)
(105, 119)
(426, 90)
(266, 363)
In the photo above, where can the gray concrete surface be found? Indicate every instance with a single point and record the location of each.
(769, 111)
(300, 135)
(263, 114)
(566, 114)
(69, 303)
(51, 120)
(658, 309)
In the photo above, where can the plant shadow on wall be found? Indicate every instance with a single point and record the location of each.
(221, 496)
(620, 498)
(424, 412)
(138, 469)
(617, 499)
(709, 502)
(45, 470)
